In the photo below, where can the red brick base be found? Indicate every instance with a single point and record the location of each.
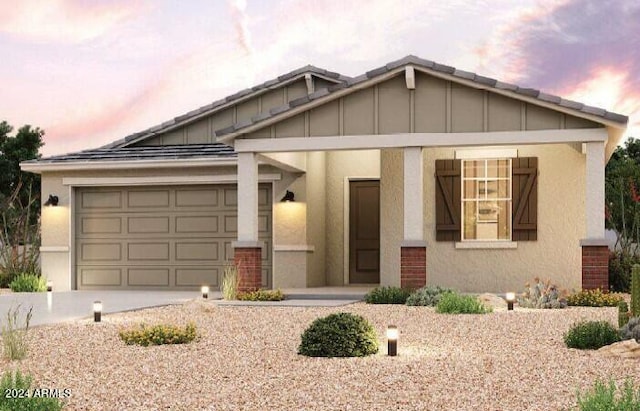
(413, 267)
(595, 267)
(249, 263)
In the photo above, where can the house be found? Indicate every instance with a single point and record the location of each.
(412, 173)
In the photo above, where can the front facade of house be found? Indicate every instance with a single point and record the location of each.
(412, 173)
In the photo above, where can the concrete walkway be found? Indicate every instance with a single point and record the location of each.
(56, 307)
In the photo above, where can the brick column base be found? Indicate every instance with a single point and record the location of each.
(249, 263)
(413, 267)
(595, 267)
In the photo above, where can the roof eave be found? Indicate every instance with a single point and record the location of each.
(40, 167)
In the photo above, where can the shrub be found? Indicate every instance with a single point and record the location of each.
(28, 283)
(454, 303)
(14, 334)
(631, 330)
(339, 335)
(261, 295)
(603, 397)
(594, 298)
(427, 296)
(542, 295)
(17, 384)
(387, 295)
(229, 286)
(635, 290)
(158, 334)
(623, 313)
(620, 270)
(591, 335)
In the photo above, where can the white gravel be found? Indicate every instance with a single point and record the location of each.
(245, 359)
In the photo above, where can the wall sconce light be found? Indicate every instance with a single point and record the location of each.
(52, 201)
(392, 340)
(97, 311)
(289, 197)
(205, 291)
(511, 298)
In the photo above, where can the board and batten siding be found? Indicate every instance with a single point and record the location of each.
(435, 106)
(161, 237)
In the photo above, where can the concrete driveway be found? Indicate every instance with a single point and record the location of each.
(73, 305)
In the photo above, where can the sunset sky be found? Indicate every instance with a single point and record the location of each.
(92, 71)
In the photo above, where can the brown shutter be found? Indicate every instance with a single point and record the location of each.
(525, 199)
(448, 200)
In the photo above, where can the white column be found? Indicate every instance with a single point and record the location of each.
(247, 197)
(413, 195)
(595, 190)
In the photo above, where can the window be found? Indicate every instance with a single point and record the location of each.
(486, 200)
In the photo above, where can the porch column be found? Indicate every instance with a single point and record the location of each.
(595, 253)
(413, 250)
(248, 250)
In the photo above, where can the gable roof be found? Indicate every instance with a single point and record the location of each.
(443, 71)
(236, 98)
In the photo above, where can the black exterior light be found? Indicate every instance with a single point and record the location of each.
(392, 340)
(289, 197)
(52, 201)
(97, 311)
(511, 298)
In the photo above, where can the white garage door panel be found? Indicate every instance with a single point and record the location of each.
(161, 237)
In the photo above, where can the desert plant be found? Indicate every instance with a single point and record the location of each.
(387, 295)
(28, 283)
(594, 298)
(339, 335)
(14, 334)
(230, 282)
(620, 264)
(623, 313)
(591, 335)
(18, 395)
(454, 303)
(631, 330)
(602, 397)
(427, 296)
(159, 334)
(261, 295)
(635, 290)
(542, 295)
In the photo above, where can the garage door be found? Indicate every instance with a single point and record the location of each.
(175, 237)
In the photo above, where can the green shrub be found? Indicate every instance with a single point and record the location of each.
(620, 270)
(603, 397)
(158, 334)
(542, 294)
(229, 286)
(339, 335)
(454, 303)
(427, 296)
(28, 283)
(387, 295)
(14, 334)
(623, 313)
(635, 290)
(594, 298)
(261, 295)
(591, 335)
(17, 385)
(631, 330)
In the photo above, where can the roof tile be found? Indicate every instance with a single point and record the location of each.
(377, 72)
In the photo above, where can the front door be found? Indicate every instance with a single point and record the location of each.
(364, 232)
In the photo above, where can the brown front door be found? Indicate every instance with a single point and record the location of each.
(364, 232)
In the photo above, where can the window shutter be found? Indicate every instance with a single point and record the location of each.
(448, 198)
(524, 188)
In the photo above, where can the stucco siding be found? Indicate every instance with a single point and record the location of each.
(340, 166)
(555, 255)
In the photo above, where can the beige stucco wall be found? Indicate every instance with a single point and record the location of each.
(342, 165)
(561, 225)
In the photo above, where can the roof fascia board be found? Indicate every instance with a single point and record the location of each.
(226, 105)
(380, 141)
(124, 164)
(527, 99)
(161, 180)
(226, 139)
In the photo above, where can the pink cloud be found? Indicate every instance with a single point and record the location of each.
(69, 21)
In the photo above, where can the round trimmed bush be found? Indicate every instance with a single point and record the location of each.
(339, 335)
(591, 335)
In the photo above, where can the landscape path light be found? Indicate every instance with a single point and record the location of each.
(97, 311)
(205, 291)
(511, 298)
(392, 340)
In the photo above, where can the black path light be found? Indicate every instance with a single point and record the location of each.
(392, 340)
(511, 298)
(205, 291)
(97, 311)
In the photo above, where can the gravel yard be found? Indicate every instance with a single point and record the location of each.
(245, 359)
